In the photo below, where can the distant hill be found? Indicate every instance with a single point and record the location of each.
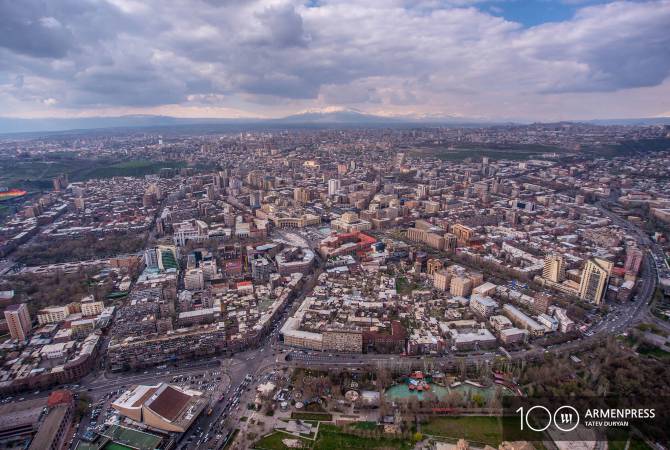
(318, 118)
(639, 121)
(14, 125)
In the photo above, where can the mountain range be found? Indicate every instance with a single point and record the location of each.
(318, 118)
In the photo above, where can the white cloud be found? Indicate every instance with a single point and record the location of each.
(280, 56)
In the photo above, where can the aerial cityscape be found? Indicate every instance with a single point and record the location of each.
(281, 239)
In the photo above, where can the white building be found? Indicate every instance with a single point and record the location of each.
(333, 186)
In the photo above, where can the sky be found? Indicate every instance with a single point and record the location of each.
(500, 59)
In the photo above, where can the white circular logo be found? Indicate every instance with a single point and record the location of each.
(569, 418)
(548, 417)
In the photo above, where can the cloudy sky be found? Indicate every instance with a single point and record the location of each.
(516, 59)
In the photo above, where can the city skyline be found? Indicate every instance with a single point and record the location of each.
(489, 60)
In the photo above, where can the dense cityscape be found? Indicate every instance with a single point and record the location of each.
(334, 225)
(290, 288)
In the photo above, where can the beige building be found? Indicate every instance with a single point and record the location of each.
(350, 222)
(463, 233)
(18, 321)
(53, 314)
(450, 242)
(340, 340)
(90, 307)
(460, 286)
(295, 337)
(194, 280)
(83, 327)
(416, 234)
(595, 277)
(554, 268)
(302, 195)
(163, 406)
(442, 280)
(434, 240)
(433, 265)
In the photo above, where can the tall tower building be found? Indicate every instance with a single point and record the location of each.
(399, 160)
(595, 277)
(333, 186)
(301, 195)
(554, 268)
(18, 321)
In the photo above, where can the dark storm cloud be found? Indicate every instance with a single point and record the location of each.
(283, 28)
(25, 29)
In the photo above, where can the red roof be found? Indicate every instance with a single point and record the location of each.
(59, 397)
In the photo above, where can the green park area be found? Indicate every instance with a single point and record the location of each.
(332, 437)
(134, 168)
(323, 417)
(474, 429)
(37, 172)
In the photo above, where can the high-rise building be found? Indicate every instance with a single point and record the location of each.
(61, 182)
(255, 199)
(18, 321)
(595, 277)
(633, 260)
(554, 268)
(333, 186)
(302, 195)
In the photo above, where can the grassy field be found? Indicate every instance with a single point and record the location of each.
(273, 441)
(136, 168)
(480, 429)
(36, 173)
(365, 425)
(331, 438)
(312, 416)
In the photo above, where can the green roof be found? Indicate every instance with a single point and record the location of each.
(125, 438)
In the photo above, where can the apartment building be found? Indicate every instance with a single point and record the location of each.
(595, 277)
(18, 321)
